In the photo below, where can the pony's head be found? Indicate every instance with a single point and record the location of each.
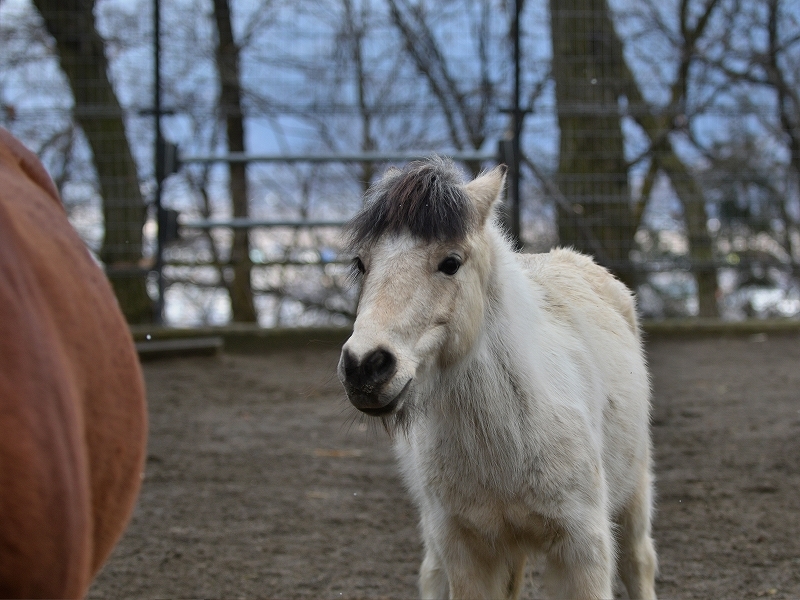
(422, 257)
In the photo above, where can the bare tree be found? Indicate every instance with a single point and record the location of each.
(773, 65)
(345, 75)
(662, 125)
(467, 104)
(783, 74)
(592, 171)
(354, 30)
(763, 77)
(82, 57)
(231, 108)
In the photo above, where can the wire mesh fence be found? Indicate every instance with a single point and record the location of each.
(661, 137)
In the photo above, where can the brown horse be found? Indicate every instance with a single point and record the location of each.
(72, 405)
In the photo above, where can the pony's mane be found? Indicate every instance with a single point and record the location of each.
(425, 199)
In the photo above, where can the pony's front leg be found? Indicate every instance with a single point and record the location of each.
(432, 578)
(580, 565)
(479, 570)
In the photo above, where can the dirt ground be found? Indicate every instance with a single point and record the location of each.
(260, 483)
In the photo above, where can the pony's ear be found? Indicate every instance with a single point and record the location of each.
(485, 190)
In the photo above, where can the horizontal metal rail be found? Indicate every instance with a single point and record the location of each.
(243, 223)
(254, 264)
(656, 266)
(243, 157)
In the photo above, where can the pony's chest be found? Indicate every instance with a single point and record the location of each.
(493, 510)
(479, 481)
(488, 490)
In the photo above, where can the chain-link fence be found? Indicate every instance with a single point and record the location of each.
(661, 137)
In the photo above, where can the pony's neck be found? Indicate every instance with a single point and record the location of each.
(513, 306)
(481, 407)
(506, 343)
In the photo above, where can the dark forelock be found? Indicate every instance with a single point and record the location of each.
(425, 199)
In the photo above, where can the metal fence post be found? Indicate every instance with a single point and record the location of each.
(159, 163)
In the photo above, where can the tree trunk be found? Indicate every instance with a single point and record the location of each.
(587, 49)
(659, 128)
(97, 110)
(701, 249)
(227, 57)
(592, 172)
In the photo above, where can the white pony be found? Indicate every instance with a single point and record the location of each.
(514, 387)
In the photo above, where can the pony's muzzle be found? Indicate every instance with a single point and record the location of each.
(364, 379)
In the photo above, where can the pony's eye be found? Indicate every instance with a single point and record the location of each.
(358, 264)
(450, 265)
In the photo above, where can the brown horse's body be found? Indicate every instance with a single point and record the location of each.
(72, 404)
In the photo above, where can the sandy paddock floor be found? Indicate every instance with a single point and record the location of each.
(260, 483)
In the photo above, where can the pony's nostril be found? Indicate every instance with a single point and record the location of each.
(375, 369)
(349, 364)
(378, 364)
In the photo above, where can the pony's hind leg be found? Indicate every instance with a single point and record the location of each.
(637, 563)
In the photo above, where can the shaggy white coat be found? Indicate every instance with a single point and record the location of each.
(527, 411)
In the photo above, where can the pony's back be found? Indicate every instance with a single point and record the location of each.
(570, 276)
